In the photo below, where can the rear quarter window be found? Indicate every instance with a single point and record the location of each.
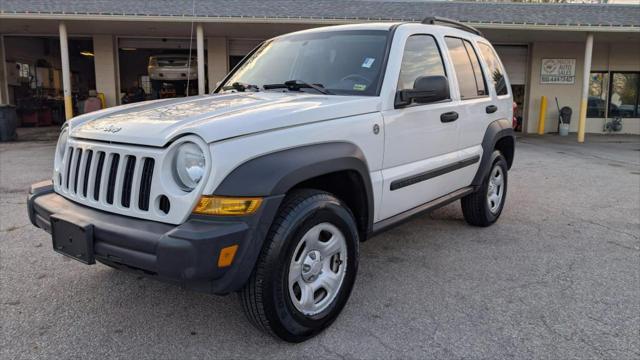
(496, 71)
(467, 67)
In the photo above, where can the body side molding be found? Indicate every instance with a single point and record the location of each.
(414, 179)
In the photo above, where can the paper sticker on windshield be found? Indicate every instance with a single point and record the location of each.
(359, 87)
(368, 62)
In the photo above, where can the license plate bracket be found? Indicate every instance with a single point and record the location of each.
(72, 238)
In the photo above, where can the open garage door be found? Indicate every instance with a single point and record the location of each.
(34, 78)
(153, 68)
(514, 59)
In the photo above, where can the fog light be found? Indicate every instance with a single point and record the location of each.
(227, 206)
(226, 256)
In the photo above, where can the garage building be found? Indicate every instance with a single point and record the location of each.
(101, 54)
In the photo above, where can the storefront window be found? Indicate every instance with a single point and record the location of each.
(598, 86)
(623, 101)
(614, 94)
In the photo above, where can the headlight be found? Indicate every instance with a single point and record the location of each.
(189, 165)
(61, 148)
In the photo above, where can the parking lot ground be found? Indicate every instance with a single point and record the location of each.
(558, 277)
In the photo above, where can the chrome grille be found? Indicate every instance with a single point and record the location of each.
(108, 177)
(126, 179)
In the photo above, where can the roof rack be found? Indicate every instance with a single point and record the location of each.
(432, 20)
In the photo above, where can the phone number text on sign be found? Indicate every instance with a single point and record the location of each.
(558, 71)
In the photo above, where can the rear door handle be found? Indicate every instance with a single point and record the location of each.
(491, 109)
(449, 117)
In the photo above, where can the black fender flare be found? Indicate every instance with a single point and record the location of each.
(271, 176)
(496, 130)
(276, 173)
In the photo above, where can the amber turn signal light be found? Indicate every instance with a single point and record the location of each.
(226, 256)
(227, 206)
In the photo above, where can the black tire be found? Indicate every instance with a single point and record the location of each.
(475, 206)
(265, 298)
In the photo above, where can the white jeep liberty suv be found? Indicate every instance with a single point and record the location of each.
(316, 141)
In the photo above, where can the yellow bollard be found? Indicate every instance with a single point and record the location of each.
(582, 121)
(543, 115)
(68, 107)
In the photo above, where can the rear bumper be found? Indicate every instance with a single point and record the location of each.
(186, 254)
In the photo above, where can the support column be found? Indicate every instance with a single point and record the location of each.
(586, 75)
(105, 68)
(4, 87)
(218, 60)
(200, 46)
(66, 72)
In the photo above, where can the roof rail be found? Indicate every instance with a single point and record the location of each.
(432, 20)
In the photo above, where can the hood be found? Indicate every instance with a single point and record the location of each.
(215, 117)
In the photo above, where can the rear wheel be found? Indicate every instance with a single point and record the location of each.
(306, 269)
(483, 207)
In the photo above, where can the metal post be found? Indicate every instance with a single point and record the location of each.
(200, 46)
(542, 117)
(66, 73)
(4, 93)
(582, 121)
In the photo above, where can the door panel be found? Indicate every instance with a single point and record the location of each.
(417, 133)
(476, 104)
(500, 84)
(411, 185)
(417, 140)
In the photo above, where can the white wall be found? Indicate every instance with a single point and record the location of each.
(606, 57)
(217, 60)
(105, 67)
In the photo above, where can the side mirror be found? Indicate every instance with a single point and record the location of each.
(426, 89)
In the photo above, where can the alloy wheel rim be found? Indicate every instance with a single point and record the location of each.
(317, 269)
(495, 192)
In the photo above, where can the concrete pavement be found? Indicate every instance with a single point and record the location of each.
(557, 277)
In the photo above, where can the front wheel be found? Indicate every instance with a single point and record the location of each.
(483, 207)
(307, 267)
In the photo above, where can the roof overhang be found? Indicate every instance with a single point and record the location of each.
(305, 20)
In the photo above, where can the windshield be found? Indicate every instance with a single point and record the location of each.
(342, 62)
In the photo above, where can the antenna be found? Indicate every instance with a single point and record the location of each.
(432, 20)
(193, 16)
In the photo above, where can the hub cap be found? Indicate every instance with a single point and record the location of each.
(317, 269)
(496, 189)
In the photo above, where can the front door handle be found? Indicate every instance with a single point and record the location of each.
(449, 117)
(491, 109)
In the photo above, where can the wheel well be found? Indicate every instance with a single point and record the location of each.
(349, 187)
(506, 145)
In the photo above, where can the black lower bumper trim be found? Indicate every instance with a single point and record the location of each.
(185, 254)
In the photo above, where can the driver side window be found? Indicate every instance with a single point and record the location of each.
(421, 57)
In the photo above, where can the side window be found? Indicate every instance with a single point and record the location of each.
(465, 61)
(421, 57)
(496, 71)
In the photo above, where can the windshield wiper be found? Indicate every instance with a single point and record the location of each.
(240, 87)
(296, 85)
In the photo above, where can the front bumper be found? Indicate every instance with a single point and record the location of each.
(186, 254)
(173, 74)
